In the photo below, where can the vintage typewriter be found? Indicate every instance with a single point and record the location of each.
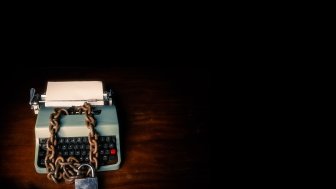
(72, 137)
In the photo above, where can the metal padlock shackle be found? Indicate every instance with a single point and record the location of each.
(93, 175)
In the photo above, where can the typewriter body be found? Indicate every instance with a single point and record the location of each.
(72, 137)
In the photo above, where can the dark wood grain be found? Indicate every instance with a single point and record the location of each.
(164, 122)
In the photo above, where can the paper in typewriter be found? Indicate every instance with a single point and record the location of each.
(74, 93)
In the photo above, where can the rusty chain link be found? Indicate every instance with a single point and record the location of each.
(57, 167)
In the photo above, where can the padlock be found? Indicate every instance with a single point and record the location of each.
(89, 182)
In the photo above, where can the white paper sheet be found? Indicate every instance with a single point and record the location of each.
(74, 93)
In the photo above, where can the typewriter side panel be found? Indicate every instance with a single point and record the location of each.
(41, 132)
(107, 125)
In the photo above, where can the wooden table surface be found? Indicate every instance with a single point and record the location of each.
(164, 122)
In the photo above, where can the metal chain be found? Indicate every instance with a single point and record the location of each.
(57, 167)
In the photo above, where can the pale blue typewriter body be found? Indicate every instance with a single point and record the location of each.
(73, 134)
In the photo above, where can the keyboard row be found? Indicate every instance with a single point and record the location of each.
(79, 148)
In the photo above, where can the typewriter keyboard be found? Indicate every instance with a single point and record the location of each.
(79, 148)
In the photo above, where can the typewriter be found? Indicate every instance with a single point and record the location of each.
(72, 136)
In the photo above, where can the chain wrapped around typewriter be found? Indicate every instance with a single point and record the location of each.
(57, 167)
